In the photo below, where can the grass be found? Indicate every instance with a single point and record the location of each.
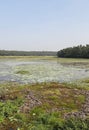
(56, 100)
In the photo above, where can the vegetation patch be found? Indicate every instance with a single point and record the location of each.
(86, 81)
(39, 106)
(53, 96)
(23, 72)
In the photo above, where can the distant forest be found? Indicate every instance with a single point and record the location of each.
(27, 53)
(74, 52)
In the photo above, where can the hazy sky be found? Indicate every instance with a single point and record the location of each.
(43, 24)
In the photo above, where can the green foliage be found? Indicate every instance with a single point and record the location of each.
(47, 121)
(54, 122)
(8, 109)
(75, 52)
(76, 124)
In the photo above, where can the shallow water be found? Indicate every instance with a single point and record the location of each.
(41, 71)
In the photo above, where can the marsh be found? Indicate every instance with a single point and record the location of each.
(42, 69)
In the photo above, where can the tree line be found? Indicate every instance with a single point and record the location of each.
(27, 53)
(80, 51)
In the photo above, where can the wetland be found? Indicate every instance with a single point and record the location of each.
(44, 93)
(43, 69)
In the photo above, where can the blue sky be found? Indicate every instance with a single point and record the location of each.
(43, 24)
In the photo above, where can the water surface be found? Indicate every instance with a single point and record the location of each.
(42, 71)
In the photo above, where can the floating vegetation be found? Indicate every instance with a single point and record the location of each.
(42, 69)
(23, 72)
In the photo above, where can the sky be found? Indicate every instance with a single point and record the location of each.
(43, 25)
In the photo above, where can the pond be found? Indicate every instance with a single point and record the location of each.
(40, 70)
